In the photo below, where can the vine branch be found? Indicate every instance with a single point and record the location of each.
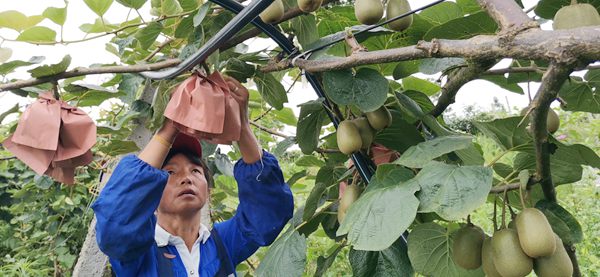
(507, 14)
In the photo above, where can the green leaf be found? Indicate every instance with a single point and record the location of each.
(37, 34)
(389, 175)
(119, 147)
(503, 82)
(189, 5)
(201, 14)
(14, 109)
(453, 191)
(309, 160)
(90, 95)
(43, 181)
(98, 6)
(563, 172)
(170, 7)
(159, 104)
(297, 176)
(469, 6)
(286, 257)
(417, 84)
(465, 27)
(417, 156)
(310, 122)
(505, 131)
(283, 145)
(391, 262)
(8, 67)
(563, 223)
(305, 29)
(400, 135)
(185, 27)
(367, 89)
(131, 84)
(593, 77)
(5, 54)
(134, 4)
(17, 21)
(271, 90)
(548, 8)
(442, 13)
(57, 15)
(374, 222)
(285, 116)
(51, 69)
(430, 252)
(239, 69)
(324, 263)
(312, 202)
(99, 26)
(435, 65)
(147, 35)
(580, 97)
(503, 170)
(405, 68)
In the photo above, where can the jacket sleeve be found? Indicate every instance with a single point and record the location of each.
(125, 209)
(266, 205)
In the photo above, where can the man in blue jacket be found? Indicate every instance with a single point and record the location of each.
(148, 214)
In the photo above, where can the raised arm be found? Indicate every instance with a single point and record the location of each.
(251, 151)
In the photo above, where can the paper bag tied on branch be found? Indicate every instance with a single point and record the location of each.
(203, 107)
(53, 138)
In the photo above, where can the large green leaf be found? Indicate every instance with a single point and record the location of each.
(563, 223)
(389, 175)
(99, 26)
(57, 15)
(310, 122)
(435, 65)
(239, 69)
(323, 263)
(118, 147)
(563, 172)
(430, 252)
(87, 95)
(305, 29)
(37, 34)
(271, 90)
(469, 6)
(147, 35)
(201, 14)
(417, 84)
(400, 135)
(159, 104)
(312, 202)
(285, 116)
(5, 54)
(503, 82)
(286, 257)
(17, 21)
(417, 156)
(374, 222)
(98, 6)
(453, 191)
(170, 7)
(548, 8)
(367, 89)
(51, 69)
(465, 27)
(8, 67)
(405, 68)
(579, 96)
(134, 4)
(442, 13)
(505, 131)
(390, 262)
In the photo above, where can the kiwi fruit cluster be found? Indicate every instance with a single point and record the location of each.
(514, 252)
(358, 133)
(575, 16)
(369, 12)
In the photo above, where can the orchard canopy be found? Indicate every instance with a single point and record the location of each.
(394, 182)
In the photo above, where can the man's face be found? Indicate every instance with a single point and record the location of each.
(186, 189)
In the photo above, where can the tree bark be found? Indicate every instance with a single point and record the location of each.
(507, 14)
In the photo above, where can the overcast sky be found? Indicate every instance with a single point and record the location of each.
(480, 93)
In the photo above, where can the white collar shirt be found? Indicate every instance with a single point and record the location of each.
(191, 260)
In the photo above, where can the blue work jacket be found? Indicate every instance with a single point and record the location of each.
(126, 221)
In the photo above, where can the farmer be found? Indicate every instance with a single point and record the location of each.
(148, 215)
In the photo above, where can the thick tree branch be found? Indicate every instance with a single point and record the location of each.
(456, 80)
(552, 80)
(289, 14)
(507, 14)
(560, 45)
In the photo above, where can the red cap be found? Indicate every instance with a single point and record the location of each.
(188, 143)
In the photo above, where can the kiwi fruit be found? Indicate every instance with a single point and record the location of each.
(350, 195)
(509, 258)
(348, 137)
(366, 132)
(552, 122)
(368, 12)
(309, 5)
(487, 259)
(466, 249)
(273, 13)
(556, 265)
(380, 118)
(574, 16)
(395, 8)
(535, 234)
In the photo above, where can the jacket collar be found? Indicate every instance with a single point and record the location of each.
(164, 238)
